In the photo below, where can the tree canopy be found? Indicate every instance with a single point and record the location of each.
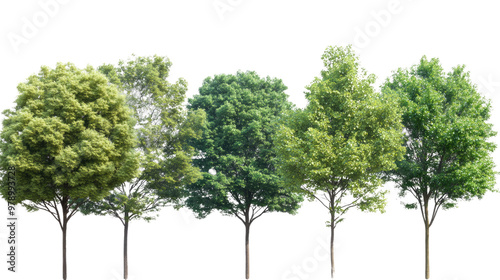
(163, 128)
(237, 149)
(70, 134)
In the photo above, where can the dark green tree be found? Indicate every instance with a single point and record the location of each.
(70, 138)
(335, 149)
(164, 128)
(238, 160)
(448, 155)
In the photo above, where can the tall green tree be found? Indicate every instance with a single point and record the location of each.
(335, 149)
(164, 128)
(238, 160)
(448, 152)
(70, 138)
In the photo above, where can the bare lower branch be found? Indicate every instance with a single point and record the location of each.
(437, 205)
(419, 200)
(259, 214)
(75, 209)
(47, 206)
(116, 214)
(318, 199)
(352, 204)
(238, 216)
(414, 193)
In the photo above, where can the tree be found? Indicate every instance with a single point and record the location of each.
(70, 138)
(237, 161)
(446, 131)
(164, 128)
(335, 149)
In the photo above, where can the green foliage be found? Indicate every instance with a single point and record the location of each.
(336, 148)
(238, 160)
(448, 155)
(70, 135)
(164, 128)
(410, 205)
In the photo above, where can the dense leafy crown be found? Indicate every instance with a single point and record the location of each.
(163, 127)
(70, 134)
(238, 156)
(445, 119)
(343, 139)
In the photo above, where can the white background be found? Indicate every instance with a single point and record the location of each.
(283, 39)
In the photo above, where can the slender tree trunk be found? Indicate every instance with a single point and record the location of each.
(125, 250)
(64, 227)
(247, 250)
(332, 231)
(427, 227)
(332, 237)
(64, 230)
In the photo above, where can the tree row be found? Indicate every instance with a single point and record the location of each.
(119, 140)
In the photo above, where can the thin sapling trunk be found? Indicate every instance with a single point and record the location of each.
(125, 250)
(427, 228)
(332, 237)
(247, 251)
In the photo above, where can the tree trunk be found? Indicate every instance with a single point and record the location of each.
(332, 235)
(332, 231)
(125, 250)
(247, 250)
(427, 227)
(64, 229)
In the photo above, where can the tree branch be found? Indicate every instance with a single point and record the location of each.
(75, 209)
(238, 216)
(118, 216)
(437, 205)
(419, 200)
(264, 211)
(352, 204)
(46, 208)
(317, 198)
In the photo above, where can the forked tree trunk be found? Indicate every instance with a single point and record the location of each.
(125, 250)
(247, 250)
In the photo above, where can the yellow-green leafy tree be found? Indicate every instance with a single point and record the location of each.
(164, 127)
(335, 150)
(70, 138)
